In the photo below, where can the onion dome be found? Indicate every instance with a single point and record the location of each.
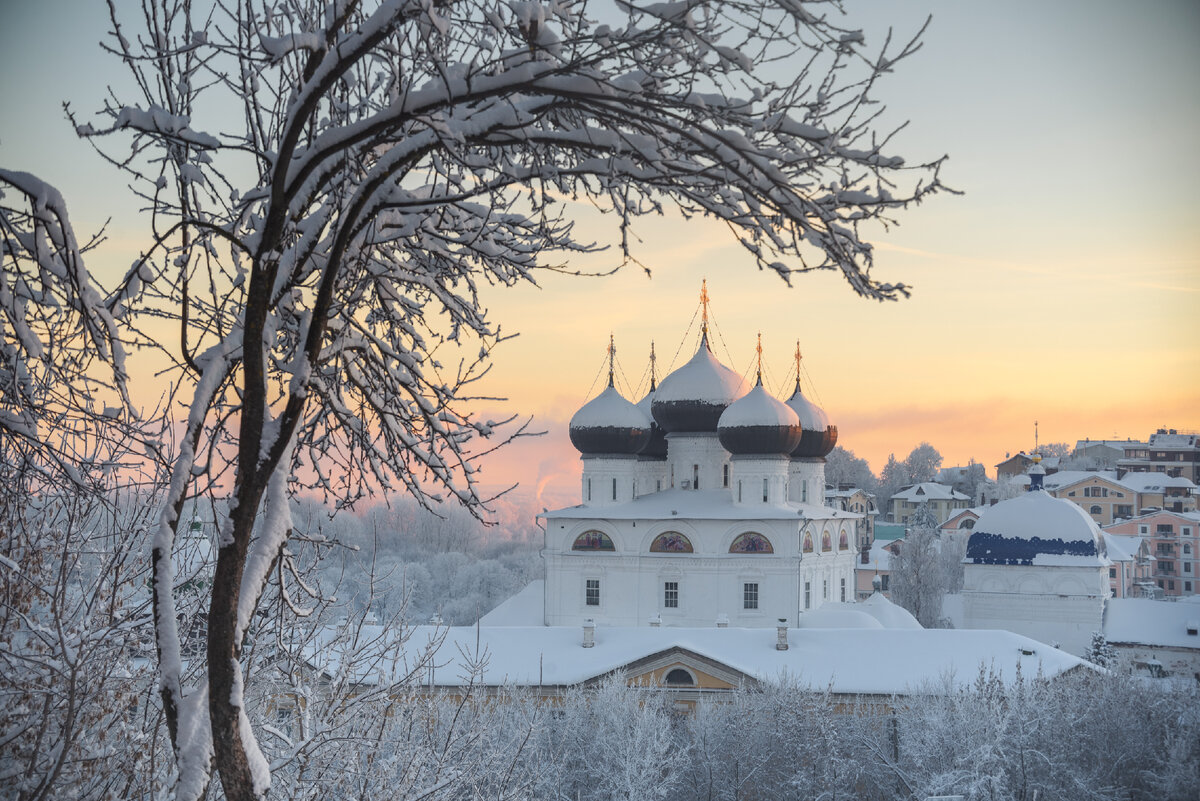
(819, 435)
(609, 424)
(1036, 529)
(692, 399)
(656, 448)
(759, 424)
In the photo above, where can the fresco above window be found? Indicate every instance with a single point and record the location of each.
(751, 542)
(671, 542)
(593, 541)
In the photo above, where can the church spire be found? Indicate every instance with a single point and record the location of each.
(758, 366)
(653, 364)
(704, 312)
(612, 352)
(798, 358)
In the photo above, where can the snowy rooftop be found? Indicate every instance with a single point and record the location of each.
(1035, 524)
(1121, 547)
(699, 505)
(610, 409)
(844, 660)
(930, 491)
(881, 557)
(1146, 622)
(526, 608)
(758, 408)
(703, 379)
(1155, 482)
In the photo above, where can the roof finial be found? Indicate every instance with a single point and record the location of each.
(758, 351)
(612, 352)
(798, 358)
(704, 309)
(1035, 437)
(653, 362)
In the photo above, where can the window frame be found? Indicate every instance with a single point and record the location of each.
(671, 594)
(591, 592)
(751, 596)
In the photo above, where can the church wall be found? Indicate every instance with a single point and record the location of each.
(693, 456)
(806, 480)
(1061, 605)
(710, 582)
(608, 480)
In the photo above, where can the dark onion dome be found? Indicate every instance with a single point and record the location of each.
(691, 399)
(759, 424)
(819, 435)
(657, 447)
(1036, 529)
(609, 424)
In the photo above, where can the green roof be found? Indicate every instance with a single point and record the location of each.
(889, 531)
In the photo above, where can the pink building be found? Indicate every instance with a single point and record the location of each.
(1172, 538)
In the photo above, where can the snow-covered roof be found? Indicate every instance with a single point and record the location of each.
(1035, 525)
(847, 493)
(890, 615)
(954, 520)
(1155, 482)
(844, 660)
(610, 408)
(1143, 621)
(930, 491)
(1169, 440)
(681, 504)
(1121, 547)
(834, 615)
(1065, 478)
(880, 556)
(526, 608)
(759, 423)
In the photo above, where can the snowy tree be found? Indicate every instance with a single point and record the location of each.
(329, 186)
(1099, 651)
(843, 467)
(922, 463)
(918, 576)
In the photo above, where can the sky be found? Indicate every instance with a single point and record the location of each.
(1062, 286)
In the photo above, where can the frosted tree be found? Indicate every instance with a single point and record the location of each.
(331, 184)
(922, 463)
(1100, 652)
(918, 576)
(843, 467)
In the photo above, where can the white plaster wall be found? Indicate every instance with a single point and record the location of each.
(695, 454)
(604, 476)
(806, 471)
(652, 476)
(747, 474)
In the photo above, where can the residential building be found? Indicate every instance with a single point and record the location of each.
(1108, 499)
(1132, 571)
(942, 500)
(1173, 539)
(1169, 450)
(1101, 454)
(859, 501)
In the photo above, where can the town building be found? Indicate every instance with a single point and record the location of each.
(857, 500)
(1107, 498)
(1172, 539)
(1170, 451)
(941, 500)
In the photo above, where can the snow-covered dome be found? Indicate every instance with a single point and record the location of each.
(758, 423)
(609, 424)
(1035, 528)
(835, 615)
(656, 448)
(889, 615)
(819, 435)
(692, 398)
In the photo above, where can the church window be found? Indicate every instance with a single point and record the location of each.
(843, 543)
(614, 489)
(679, 677)
(671, 594)
(808, 595)
(826, 542)
(739, 492)
(803, 492)
(751, 542)
(764, 490)
(843, 591)
(671, 542)
(808, 545)
(658, 485)
(593, 541)
(825, 589)
(1095, 509)
(750, 595)
(589, 489)
(695, 476)
(592, 592)
(725, 475)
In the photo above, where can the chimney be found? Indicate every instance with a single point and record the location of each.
(781, 643)
(589, 633)
(656, 621)
(722, 621)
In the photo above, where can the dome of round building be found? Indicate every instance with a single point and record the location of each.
(758, 423)
(836, 615)
(609, 424)
(692, 398)
(1035, 529)
(656, 448)
(819, 435)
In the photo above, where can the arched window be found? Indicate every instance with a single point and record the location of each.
(1095, 509)
(968, 523)
(843, 544)
(751, 542)
(826, 542)
(807, 547)
(678, 677)
(671, 542)
(593, 541)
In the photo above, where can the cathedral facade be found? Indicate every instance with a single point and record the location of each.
(702, 505)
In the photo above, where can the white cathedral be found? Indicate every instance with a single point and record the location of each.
(703, 505)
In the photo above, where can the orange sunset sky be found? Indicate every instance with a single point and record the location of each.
(1063, 286)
